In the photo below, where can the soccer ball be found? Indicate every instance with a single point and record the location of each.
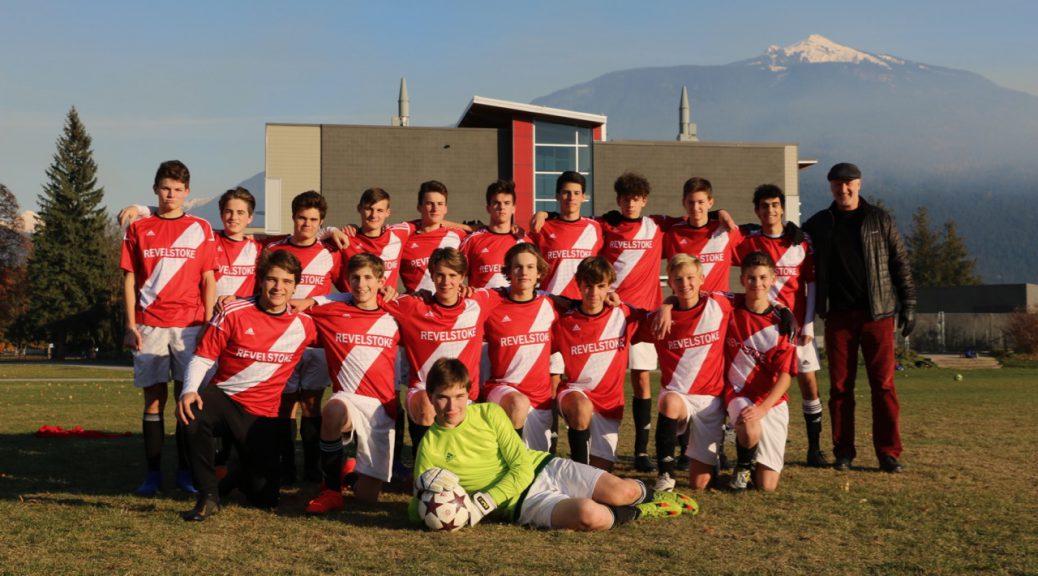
(444, 511)
(958, 377)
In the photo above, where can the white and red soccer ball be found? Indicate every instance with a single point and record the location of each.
(444, 511)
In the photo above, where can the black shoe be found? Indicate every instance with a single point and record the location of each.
(643, 463)
(842, 463)
(890, 465)
(683, 463)
(817, 459)
(205, 506)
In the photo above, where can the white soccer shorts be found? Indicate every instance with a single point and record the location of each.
(705, 421)
(771, 450)
(374, 430)
(561, 479)
(807, 357)
(164, 354)
(642, 356)
(605, 432)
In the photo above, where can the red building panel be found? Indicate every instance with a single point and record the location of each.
(522, 168)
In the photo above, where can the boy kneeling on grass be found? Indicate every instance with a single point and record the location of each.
(759, 363)
(477, 447)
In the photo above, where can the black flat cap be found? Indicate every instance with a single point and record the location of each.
(844, 171)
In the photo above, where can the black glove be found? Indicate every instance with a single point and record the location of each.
(906, 320)
(787, 323)
(613, 217)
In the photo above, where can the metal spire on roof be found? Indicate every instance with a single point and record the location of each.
(686, 129)
(403, 117)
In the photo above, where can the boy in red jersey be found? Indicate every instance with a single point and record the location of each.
(759, 364)
(374, 237)
(692, 361)
(427, 235)
(446, 324)
(321, 263)
(485, 248)
(169, 286)
(794, 287)
(713, 242)
(257, 342)
(594, 341)
(518, 335)
(567, 240)
(236, 255)
(360, 341)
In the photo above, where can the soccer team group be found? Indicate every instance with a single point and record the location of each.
(497, 334)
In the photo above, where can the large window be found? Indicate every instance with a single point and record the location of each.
(558, 148)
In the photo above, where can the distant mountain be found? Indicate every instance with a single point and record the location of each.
(923, 134)
(209, 208)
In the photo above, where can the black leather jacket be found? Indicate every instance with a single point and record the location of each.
(887, 269)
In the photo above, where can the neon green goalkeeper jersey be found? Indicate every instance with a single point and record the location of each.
(486, 454)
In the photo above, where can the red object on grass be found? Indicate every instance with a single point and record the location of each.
(77, 432)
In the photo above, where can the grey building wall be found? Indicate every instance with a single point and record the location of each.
(354, 158)
(992, 298)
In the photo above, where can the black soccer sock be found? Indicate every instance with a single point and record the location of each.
(183, 462)
(683, 442)
(288, 448)
(745, 456)
(666, 439)
(813, 420)
(580, 445)
(648, 493)
(310, 432)
(624, 514)
(154, 432)
(331, 463)
(642, 408)
(417, 432)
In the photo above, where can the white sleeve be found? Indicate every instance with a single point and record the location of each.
(196, 371)
(337, 297)
(326, 232)
(144, 211)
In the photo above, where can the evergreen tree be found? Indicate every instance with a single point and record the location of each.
(956, 266)
(938, 259)
(922, 246)
(70, 267)
(14, 247)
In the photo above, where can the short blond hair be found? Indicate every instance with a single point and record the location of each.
(679, 261)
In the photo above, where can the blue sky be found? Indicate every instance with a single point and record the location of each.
(198, 80)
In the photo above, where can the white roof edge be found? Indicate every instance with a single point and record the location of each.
(533, 109)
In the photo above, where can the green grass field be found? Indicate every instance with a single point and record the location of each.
(967, 502)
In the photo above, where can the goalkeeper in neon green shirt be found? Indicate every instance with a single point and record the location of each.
(477, 447)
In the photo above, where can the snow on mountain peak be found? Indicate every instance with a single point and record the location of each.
(818, 49)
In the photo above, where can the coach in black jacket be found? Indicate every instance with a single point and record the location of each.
(863, 279)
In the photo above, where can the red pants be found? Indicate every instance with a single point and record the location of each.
(845, 331)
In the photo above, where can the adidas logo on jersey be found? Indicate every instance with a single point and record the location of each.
(682, 241)
(150, 233)
(414, 245)
(551, 235)
(484, 251)
(506, 319)
(576, 328)
(249, 332)
(429, 314)
(346, 315)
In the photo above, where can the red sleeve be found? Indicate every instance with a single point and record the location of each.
(807, 269)
(210, 261)
(644, 332)
(664, 222)
(784, 359)
(216, 336)
(338, 270)
(129, 249)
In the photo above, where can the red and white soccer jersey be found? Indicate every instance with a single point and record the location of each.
(389, 246)
(167, 257)
(236, 266)
(564, 244)
(595, 349)
(321, 267)
(360, 347)
(255, 353)
(414, 263)
(755, 355)
(712, 243)
(485, 251)
(518, 338)
(692, 354)
(634, 248)
(794, 271)
(431, 331)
